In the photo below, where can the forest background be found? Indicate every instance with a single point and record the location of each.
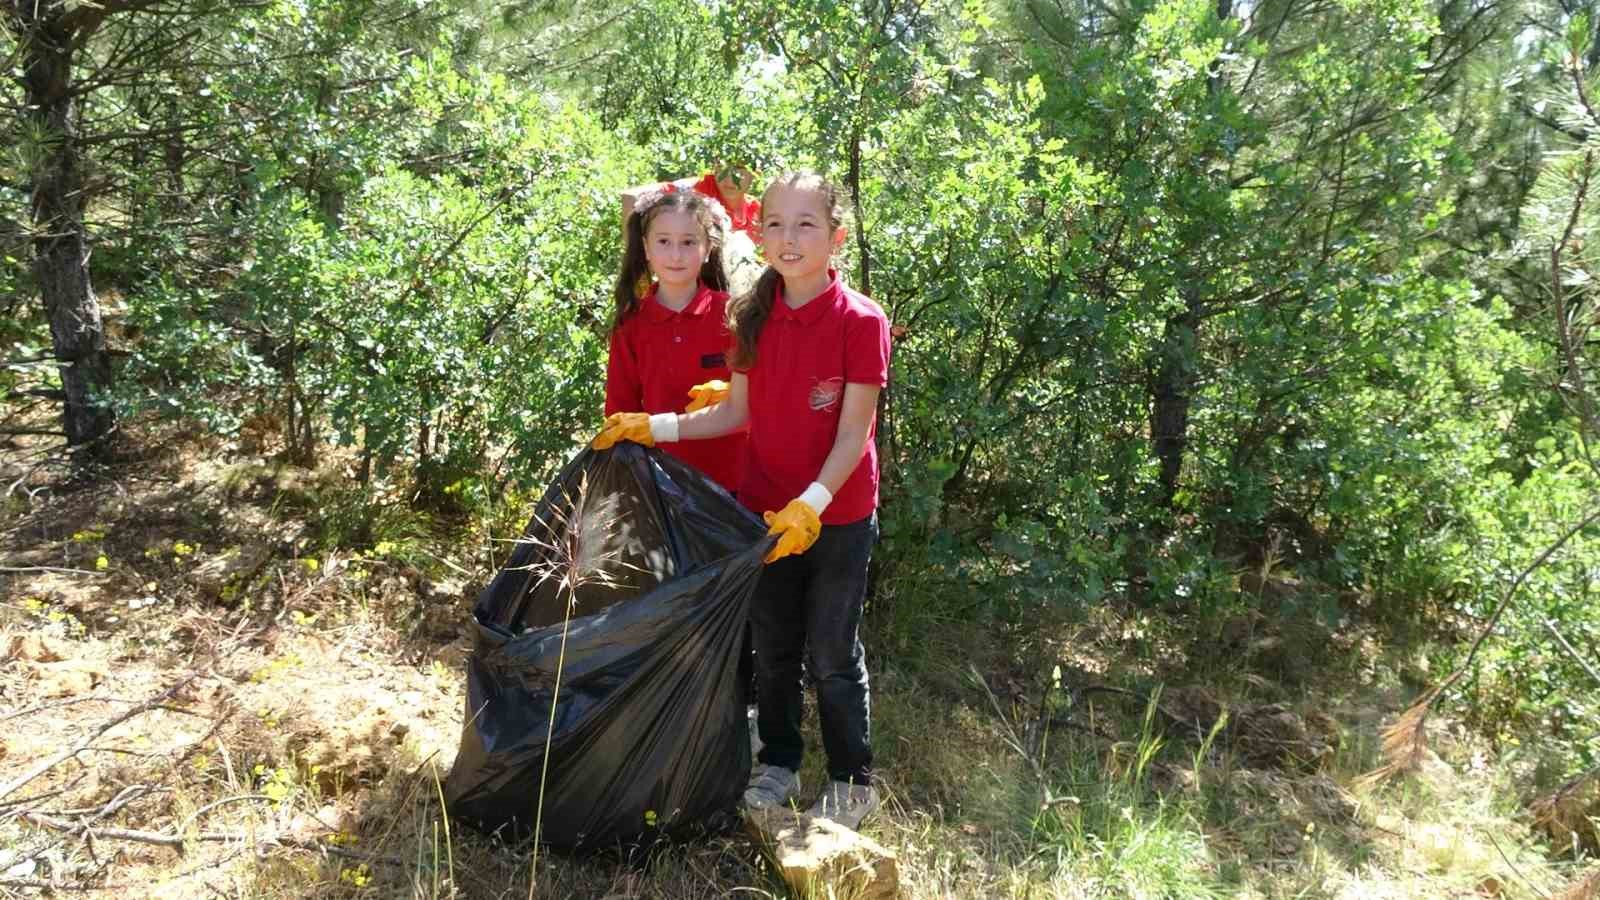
(1248, 345)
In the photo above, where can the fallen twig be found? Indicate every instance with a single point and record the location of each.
(132, 888)
(125, 796)
(54, 792)
(97, 698)
(42, 885)
(51, 762)
(453, 567)
(53, 704)
(179, 842)
(240, 798)
(21, 569)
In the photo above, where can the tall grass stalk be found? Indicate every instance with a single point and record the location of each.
(449, 845)
(576, 558)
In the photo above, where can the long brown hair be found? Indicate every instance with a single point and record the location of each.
(747, 313)
(634, 264)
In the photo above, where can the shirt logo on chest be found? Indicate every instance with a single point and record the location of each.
(825, 394)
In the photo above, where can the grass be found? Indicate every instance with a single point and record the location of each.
(303, 758)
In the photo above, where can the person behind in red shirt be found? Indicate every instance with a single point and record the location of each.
(809, 359)
(728, 183)
(669, 339)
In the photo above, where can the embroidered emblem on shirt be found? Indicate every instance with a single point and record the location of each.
(825, 394)
(713, 360)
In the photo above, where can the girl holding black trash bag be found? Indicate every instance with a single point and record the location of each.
(809, 359)
(669, 339)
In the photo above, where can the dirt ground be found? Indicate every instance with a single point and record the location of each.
(203, 695)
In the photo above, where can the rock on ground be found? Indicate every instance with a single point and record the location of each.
(822, 858)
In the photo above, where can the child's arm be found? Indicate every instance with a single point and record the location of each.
(855, 424)
(631, 195)
(714, 421)
(799, 523)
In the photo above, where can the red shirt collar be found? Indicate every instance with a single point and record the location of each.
(831, 296)
(653, 311)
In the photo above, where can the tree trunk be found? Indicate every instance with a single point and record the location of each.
(863, 246)
(1170, 395)
(61, 244)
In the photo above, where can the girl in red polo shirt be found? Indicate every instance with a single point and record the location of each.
(728, 184)
(809, 359)
(669, 340)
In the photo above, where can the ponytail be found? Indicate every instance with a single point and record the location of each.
(712, 274)
(634, 267)
(747, 315)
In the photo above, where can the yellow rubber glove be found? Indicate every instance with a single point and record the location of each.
(796, 526)
(709, 394)
(624, 427)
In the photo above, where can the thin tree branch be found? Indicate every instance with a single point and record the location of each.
(52, 761)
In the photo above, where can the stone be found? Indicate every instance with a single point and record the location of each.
(445, 591)
(820, 858)
(68, 678)
(33, 648)
(232, 568)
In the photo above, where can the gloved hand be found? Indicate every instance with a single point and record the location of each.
(624, 426)
(709, 394)
(797, 527)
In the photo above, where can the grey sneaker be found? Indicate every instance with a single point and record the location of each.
(845, 803)
(771, 787)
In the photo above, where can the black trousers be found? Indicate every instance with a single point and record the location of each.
(807, 608)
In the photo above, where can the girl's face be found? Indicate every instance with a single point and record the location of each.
(675, 246)
(795, 233)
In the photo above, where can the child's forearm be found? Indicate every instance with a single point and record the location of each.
(860, 410)
(843, 458)
(713, 421)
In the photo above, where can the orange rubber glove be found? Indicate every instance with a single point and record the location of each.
(796, 526)
(625, 426)
(709, 394)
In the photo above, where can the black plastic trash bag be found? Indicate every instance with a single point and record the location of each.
(650, 734)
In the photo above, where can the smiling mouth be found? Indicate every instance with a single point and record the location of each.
(789, 257)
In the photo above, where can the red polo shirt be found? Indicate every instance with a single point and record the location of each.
(747, 220)
(804, 358)
(657, 355)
